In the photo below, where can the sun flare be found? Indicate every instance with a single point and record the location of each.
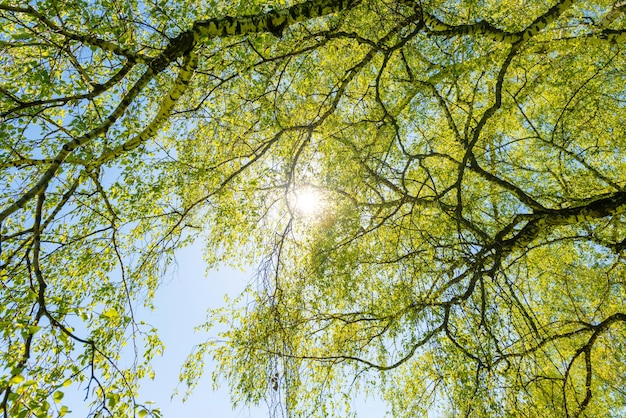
(309, 202)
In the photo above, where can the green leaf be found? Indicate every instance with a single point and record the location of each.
(113, 399)
(58, 396)
(110, 313)
(33, 329)
(16, 379)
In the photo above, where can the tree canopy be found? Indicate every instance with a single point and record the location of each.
(434, 193)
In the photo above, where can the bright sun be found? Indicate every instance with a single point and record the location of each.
(309, 202)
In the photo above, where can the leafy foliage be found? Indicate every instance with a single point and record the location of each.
(467, 255)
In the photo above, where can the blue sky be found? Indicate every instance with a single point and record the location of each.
(181, 304)
(188, 290)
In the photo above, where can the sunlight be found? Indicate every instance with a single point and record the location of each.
(309, 202)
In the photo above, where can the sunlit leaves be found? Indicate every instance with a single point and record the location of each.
(435, 156)
(458, 260)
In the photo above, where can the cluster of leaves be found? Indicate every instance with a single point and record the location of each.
(85, 245)
(469, 258)
(470, 159)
